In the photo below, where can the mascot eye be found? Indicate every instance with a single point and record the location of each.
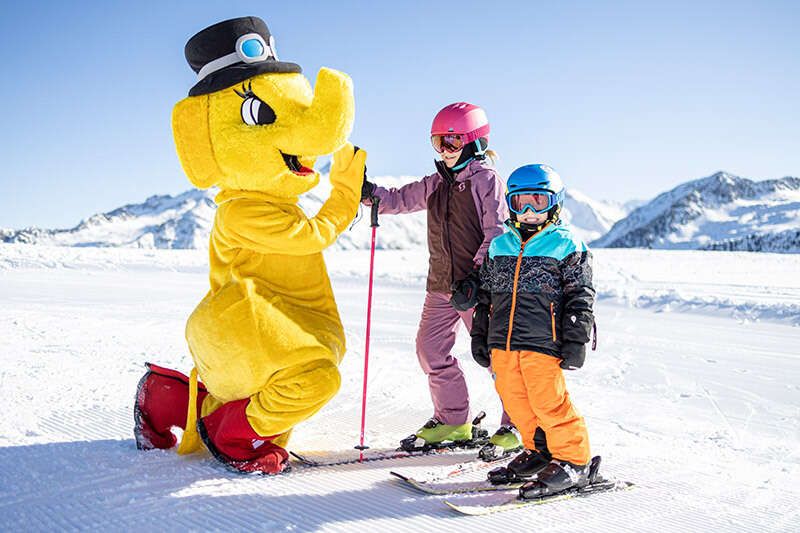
(255, 112)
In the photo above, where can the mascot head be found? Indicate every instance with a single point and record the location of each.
(252, 122)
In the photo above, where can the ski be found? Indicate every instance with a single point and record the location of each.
(431, 479)
(308, 460)
(454, 487)
(409, 447)
(300, 462)
(499, 502)
(450, 479)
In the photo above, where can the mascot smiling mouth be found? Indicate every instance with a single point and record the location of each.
(293, 163)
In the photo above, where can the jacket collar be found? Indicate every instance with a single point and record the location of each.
(474, 166)
(547, 227)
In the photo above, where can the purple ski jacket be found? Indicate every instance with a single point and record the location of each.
(464, 214)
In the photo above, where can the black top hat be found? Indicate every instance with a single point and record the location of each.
(229, 52)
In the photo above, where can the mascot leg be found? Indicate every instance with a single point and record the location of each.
(248, 435)
(162, 400)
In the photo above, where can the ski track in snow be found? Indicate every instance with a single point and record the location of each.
(692, 395)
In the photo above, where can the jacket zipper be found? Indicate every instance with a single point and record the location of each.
(447, 233)
(514, 296)
(553, 320)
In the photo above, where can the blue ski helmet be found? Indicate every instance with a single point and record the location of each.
(535, 179)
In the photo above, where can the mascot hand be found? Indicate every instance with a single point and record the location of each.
(347, 170)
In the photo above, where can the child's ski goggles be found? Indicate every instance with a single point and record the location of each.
(536, 201)
(451, 142)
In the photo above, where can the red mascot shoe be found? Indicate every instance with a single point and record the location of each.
(231, 439)
(162, 399)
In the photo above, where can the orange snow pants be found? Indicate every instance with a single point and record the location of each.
(534, 394)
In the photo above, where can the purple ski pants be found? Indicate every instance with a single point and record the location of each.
(436, 337)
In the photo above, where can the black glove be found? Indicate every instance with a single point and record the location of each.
(573, 354)
(480, 332)
(480, 351)
(465, 292)
(367, 188)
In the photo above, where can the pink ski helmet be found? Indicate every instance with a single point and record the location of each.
(461, 118)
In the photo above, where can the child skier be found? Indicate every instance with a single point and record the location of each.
(533, 319)
(464, 200)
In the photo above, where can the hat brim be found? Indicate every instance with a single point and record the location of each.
(235, 74)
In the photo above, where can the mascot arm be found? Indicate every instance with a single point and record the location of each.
(347, 175)
(268, 229)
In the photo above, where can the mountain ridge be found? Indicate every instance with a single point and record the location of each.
(185, 220)
(718, 212)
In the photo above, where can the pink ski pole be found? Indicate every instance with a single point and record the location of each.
(374, 226)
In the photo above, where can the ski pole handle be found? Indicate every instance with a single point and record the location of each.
(373, 214)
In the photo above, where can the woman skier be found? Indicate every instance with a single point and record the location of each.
(466, 210)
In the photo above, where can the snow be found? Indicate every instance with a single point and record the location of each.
(692, 394)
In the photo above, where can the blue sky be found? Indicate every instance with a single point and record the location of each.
(624, 99)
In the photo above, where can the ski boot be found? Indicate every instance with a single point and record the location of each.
(231, 439)
(504, 441)
(560, 476)
(435, 434)
(522, 468)
(162, 400)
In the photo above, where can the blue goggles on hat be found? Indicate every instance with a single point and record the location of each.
(250, 48)
(538, 201)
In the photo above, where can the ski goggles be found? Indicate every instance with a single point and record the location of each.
(536, 201)
(451, 142)
(250, 48)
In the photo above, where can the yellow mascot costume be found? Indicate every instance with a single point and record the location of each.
(267, 338)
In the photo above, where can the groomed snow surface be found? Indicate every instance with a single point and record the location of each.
(693, 394)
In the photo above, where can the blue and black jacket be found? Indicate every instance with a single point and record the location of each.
(536, 295)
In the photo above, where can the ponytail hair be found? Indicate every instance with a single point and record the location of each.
(483, 142)
(491, 154)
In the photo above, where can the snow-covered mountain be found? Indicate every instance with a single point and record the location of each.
(720, 212)
(590, 218)
(185, 220)
(181, 221)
